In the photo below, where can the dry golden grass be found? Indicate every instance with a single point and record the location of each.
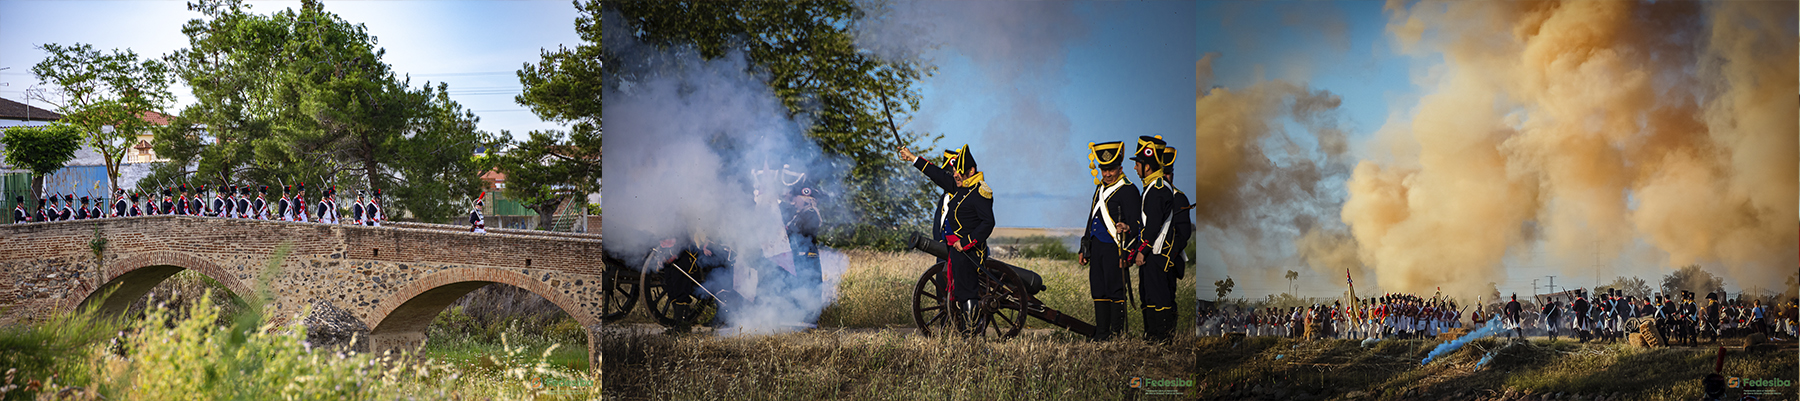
(866, 350)
(883, 365)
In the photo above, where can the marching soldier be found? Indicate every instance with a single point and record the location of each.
(135, 210)
(259, 208)
(967, 224)
(43, 213)
(82, 213)
(1553, 317)
(373, 209)
(19, 213)
(231, 196)
(1711, 319)
(244, 204)
(328, 211)
(221, 207)
(476, 223)
(68, 207)
(1154, 246)
(1580, 309)
(94, 212)
(300, 203)
(356, 209)
(1113, 219)
(119, 208)
(284, 207)
(168, 202)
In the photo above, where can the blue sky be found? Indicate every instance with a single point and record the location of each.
(475, 46)
(1126, 70)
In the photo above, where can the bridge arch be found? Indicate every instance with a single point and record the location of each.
(399, 322)
(130, 277)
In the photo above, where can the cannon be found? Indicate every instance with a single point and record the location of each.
(624, 286)
(1008, 295)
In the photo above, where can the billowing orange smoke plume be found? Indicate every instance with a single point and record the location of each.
(1586, 124)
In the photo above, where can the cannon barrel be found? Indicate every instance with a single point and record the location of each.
(927, 245)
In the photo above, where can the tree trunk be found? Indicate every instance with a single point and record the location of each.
(37, 191)
(546, 212)
(112, 168)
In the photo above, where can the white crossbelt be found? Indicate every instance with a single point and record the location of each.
(1105, 215)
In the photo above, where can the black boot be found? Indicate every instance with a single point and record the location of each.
(1102, 320)
(678, 311)
(1118, 318)
(1156, 325)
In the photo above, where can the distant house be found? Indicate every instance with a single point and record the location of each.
(85, 175)
(15, 114)
(143, 150)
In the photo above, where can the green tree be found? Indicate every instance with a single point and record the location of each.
(553, 167)
(303, 96)
(105, 95)
(1223, 287)
(858, 104)
(41, 150)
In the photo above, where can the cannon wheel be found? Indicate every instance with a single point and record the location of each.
(620, 293)
(662, 308)
(1003, 303)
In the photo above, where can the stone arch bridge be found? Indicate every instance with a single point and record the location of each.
(395, 279)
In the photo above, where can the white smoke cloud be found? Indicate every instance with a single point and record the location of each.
(683, 138)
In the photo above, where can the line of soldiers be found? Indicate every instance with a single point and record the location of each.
(1125, 228)
(228, 202)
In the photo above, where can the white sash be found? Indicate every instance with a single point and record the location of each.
(1158, 246)
(1106, 215)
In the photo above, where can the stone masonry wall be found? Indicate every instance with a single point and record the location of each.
(383, 276)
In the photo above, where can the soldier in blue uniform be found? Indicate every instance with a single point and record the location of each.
(83, 213)
(68, 208)
(19, 213)
(967, 225)
(168, 202)
(356, 210)
(119, 207)
(135, 209)
(374, 210)
(476, 223)
(1113, 220)
(221, 207)
(243, 203)
(1154, 247)
(300, 214)
(259, 208)
(942, 207)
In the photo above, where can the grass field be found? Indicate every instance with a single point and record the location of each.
(1279, 368)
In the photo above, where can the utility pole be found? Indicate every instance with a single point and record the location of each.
(1552, 284)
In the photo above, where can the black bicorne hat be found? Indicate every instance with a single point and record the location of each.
(1149, 150)
(19, 199)
(300, 188)
(286, 189)
(964, 162)
(263, 189)
(378, 193)
(134, 197)
(166, 192)
(69, 197)
(84, 200)
(949, 157)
